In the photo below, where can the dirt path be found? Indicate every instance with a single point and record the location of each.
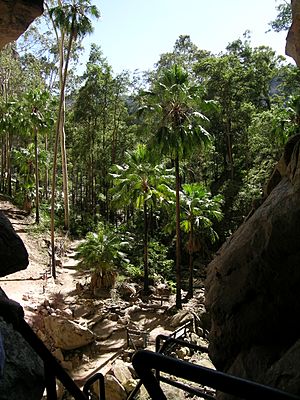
(34, 287)
(34, 284)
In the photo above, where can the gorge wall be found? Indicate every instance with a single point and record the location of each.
(252, 287)
(16, 16)
(23, 374)
(292, 47)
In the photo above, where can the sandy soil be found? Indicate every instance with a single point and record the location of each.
(34, 284)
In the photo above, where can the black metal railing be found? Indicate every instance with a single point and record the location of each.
(145, 362)
(54, 370)
(87, 389)
(163, 344)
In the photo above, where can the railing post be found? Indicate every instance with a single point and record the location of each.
(50, 382)
(97, 377)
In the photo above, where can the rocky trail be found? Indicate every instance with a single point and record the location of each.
(88, 334)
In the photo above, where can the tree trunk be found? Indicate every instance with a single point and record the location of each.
(64, 170)
(191, 264)
(146, 269)
(55, 153)
(37, 197)
(229, 147)
(178, 237)
(46, 183)
(8, 165)
(62, 132)
(3, 157)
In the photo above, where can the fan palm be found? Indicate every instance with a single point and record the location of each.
(141, 184)
(175, 104)
(198, 212)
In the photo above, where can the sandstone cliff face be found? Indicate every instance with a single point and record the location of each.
(253, 286)
(15, 17)
(13, 254)
(292, 48)
(23, 375)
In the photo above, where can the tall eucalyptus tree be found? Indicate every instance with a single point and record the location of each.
(71, 21)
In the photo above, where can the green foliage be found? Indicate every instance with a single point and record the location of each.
(75, 17)
(102, 250)
(175, 109)
(138, 182)
(134, 143)
(199, 211)
(283, 19)
(160, 264)
(44, 224)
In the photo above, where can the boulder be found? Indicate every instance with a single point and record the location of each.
(13, 254)
(252, 287)
(113, 388)
(23, 375)
(292, 47)
(122, 373)
(16, 16)
(67, 335)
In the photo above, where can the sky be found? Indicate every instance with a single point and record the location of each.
(133, 33)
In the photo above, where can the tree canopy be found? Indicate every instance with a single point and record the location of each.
(165, 165)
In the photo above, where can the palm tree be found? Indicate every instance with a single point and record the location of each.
(198, 212)
(175, 103)
(100, 253)
(70, 21)
(140, 184)
(35, 115)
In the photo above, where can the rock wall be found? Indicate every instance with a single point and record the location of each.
(292, 48)
(16, 16)
(253, 287)
(13, 254)
(23, 374)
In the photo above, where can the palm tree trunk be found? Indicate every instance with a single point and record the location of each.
(191, 264)
(146, 269)
(178, 237)
(8, 164)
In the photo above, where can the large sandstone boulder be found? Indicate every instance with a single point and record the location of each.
(292, 48)
(113, 388)
(13, 254)
(16, 16)
(68, 335)
(23, 375)
(253, 286)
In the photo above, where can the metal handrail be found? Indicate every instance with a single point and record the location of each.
(172, 338)
(168, 340)
(145, 361)
(97, 377)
